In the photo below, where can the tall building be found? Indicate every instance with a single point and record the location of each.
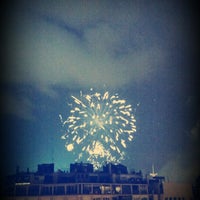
(113, 182)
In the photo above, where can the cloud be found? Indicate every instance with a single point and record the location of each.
(195, 131)
(84, 45)
(184, 165)
(181, 168)
(17, 106)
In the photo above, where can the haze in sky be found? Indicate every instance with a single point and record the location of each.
(145, 51)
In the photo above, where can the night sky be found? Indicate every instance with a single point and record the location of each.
(146, 51)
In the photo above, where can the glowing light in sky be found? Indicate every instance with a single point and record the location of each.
(99, 127)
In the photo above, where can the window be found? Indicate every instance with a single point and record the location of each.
(59, 190)
(135, 189)
(144, 198)
(105, 189)
(46, 191)
(96, 190)
(71, 189)
(125, 197)
(20, 191)
(143, 189)
(116, 189)
(126, 189)
(87, 189)
(33, 190)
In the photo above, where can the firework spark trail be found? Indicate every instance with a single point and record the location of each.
(99, 127)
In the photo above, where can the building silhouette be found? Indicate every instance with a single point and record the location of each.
(82, 182)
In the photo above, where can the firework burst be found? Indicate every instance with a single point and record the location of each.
(99, 127)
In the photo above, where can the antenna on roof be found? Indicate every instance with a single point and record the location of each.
(153, 173)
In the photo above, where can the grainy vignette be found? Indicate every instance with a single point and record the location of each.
(147, 52)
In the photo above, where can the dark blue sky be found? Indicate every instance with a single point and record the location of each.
(145, 51)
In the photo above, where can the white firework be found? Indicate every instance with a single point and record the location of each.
(99, 127)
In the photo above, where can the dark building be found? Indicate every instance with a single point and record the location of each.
(196, 188)
(113, 182)
(81, 168)
(45, 168)
(115, 169)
